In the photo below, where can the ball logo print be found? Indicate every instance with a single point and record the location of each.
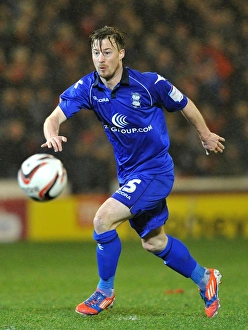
(42, 177)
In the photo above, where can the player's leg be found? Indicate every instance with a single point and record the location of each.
(151, 214)
(177, 256)
(174, 253)
(111, 214)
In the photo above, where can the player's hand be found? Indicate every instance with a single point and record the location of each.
(213, 143)
(54, 142)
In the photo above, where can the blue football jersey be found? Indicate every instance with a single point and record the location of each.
(132, 116)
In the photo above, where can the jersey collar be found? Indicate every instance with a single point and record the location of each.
(124, 79)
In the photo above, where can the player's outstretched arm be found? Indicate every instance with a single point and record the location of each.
(51, 130)
(210, 141)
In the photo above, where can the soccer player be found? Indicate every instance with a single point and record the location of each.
(130, 106)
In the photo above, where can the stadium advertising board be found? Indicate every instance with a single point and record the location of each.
(13, 220)
(208, 215)
(70, 218)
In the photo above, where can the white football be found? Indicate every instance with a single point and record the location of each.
(42, 177)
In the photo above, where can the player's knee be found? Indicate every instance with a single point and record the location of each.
(155, 241)
(103, 223)
(148, 247)
(100, 224)
(153, 246)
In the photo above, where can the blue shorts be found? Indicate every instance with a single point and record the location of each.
(145, 195)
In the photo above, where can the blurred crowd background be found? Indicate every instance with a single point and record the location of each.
(200, 46)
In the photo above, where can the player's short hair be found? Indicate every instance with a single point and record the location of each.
(111, 33)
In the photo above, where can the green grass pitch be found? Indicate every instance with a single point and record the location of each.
(41, 283)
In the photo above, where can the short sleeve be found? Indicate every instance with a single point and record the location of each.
(168, 95)
(75, 98)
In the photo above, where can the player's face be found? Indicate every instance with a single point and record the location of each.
(107, 58)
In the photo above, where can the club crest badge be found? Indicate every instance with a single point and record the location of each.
(136, 100)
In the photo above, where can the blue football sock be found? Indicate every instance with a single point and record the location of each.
(176, 256)
(200, 276)
(106, 286)
(107, 252)
(197, 274)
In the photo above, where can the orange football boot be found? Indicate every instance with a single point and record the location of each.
(210, 293)
(95, 304)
